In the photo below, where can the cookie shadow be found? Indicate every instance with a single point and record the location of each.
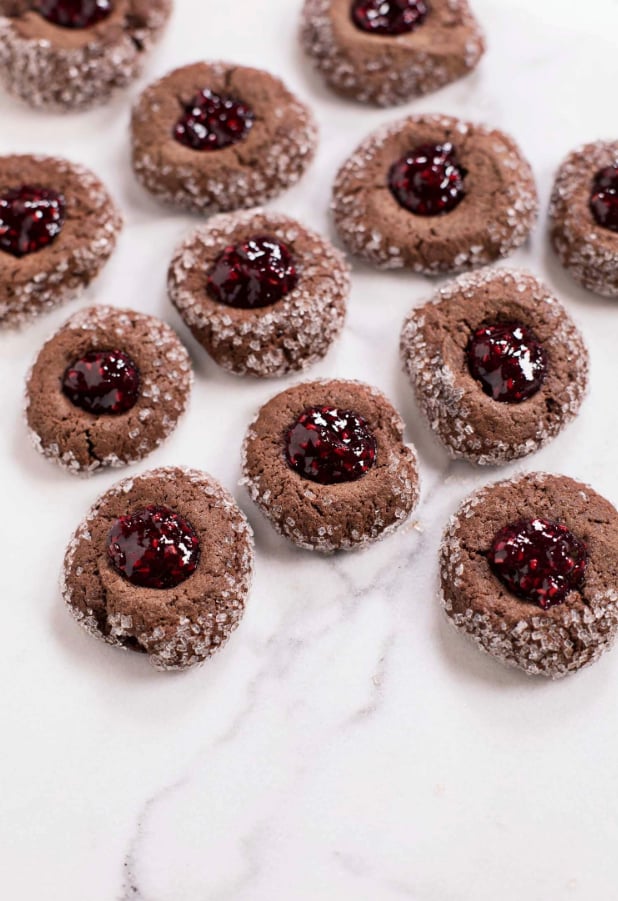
(270, 545)
(466, 661)
(310, 81)
(428, 447)
(143, 206)
(433, 454)
(572, 695)
(118, 669)
(278, 558)
(30, 461)
(85, 651)
(567, 288)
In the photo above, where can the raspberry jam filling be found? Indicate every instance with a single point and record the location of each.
(31, 218)
(104, 381)
(257, 273)
(154, 547)
(329, 446)
(211, 122)
(539, 560)
(74, 13)
(429, 180)
(389, 17)
(604, 197)
(508, 361)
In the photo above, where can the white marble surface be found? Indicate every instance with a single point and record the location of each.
(347, 744)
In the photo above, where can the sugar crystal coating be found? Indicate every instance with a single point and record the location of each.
(282, 337)
(587, 248)
(467, 421)
(330, 517)
(550, 642)
(495, 218)
(85, 69)
(273, 156)
(178, 627)
(44, 280)
(385, 69)
(82, 443)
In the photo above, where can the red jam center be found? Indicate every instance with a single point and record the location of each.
(74, 13)
(31, 218)
(330, 446)
(389, 17)
(508, 361)
(604, 197)
(102, 382)
(428, 181)
(212, 122)
(254, 274)
(539, 560)
(154, 548)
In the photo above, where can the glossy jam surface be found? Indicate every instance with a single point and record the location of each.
(539, 560)
(329, 446)
(604, 197)
(31, 218)
(154, 547)
(508, 361)
(389, 17)
(212, 122)
(429, 180)
(74, 13)
(102, 382)
(257, 273)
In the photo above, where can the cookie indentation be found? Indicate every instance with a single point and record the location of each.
(154, 547)
(330, 446)
(539, 560)
(508, 361)
(390, 17)
(74, 13)
(211, 122)
(102, 382)
(256, 273)
(31, 218)
(428, 181)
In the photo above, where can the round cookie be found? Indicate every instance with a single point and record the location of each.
(553, 617)
(261, 293)
(162, 565)
(326, 463)
(215, 137)
(71, 56)
(497, 365)
(106, 389)
(470, 196)
(58, 227)
(414, 48)
(584, 216)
